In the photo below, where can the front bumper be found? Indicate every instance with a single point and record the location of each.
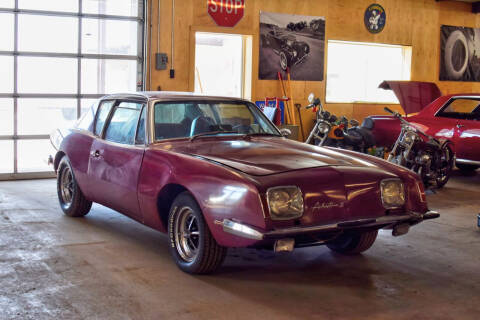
(248, 232)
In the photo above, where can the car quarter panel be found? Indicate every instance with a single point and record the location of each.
(221, 192)
(76, 145)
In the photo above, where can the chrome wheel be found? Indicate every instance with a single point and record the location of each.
(187, 234)
(66, 186)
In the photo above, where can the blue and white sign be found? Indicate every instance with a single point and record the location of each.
(375, 18)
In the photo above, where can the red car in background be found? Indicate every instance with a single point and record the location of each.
(216, 173)
(455, 117)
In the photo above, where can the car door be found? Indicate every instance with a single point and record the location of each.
(468, 140)
(463, 111)
(116, 157)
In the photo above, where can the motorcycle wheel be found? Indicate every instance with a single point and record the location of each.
(444, 174)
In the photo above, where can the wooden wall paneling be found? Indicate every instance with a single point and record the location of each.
(409, 22)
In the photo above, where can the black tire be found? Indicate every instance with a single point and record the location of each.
(468, 168)
(353, 243)
(71, 199)
(442, 181)
(207, 255)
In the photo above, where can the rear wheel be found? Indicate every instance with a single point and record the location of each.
(191, 244)
(72, 201)
(466, 167)
(353, 243)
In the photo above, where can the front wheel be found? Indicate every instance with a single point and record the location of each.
(447, 165)
(72, 201)
(191, 244)
(353, 243)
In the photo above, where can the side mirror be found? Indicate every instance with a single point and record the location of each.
(311, 98)
(285, 132)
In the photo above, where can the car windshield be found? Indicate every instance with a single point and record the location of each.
(209, 118)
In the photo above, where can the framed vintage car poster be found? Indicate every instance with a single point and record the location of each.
(292, 42)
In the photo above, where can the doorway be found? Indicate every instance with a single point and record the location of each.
(223, 64)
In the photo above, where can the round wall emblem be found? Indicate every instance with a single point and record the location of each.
(375, 18)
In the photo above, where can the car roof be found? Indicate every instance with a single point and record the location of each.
(168, 96)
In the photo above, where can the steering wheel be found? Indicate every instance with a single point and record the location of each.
(243, 128)
(201, 124)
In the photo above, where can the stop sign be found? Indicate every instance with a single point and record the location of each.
(226, 13)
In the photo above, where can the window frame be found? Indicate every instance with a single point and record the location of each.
(107, 119)
(110, 116)
(407, 50)
(449, 115)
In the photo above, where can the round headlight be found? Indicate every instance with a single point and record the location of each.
(285, 202)
(324, 128)
(410, 137)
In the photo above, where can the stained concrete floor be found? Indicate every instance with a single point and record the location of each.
(106, 266)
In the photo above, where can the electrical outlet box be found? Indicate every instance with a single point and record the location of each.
(161, 60)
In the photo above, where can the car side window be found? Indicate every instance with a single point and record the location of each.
(141, 128)
(461, 108)
(102, 115)
(123, 124)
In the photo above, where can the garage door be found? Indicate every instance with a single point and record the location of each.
(56, 58)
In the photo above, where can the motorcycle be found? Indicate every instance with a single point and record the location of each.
(340, 133)
(432, 159)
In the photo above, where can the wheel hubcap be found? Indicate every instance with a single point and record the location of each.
(187, 234)
(66, 186)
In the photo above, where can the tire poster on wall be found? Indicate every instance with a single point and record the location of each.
(291, 41)
(460, 54)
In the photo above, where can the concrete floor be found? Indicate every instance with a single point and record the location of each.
(106, 266)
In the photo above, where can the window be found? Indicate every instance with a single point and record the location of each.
(356, 69)
(123, 125)
(462, 108)
(57, 58)
(102, 115)
(181, 120)
(141, 128)
(86, 120)
(223, 64)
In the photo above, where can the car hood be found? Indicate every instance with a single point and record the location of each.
(264, 156)
(413, 95)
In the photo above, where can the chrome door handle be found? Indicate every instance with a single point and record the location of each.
(95, 153)
(460, 126)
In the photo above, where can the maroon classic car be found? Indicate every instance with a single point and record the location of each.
(215, 173)
(454, 117)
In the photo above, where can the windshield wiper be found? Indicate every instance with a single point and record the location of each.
(209, 134)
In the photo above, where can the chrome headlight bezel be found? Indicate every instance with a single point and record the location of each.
(410, 137)
(392, 201)
(323, 127)
(290, 212)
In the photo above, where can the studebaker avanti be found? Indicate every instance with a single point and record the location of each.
(215, 173)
